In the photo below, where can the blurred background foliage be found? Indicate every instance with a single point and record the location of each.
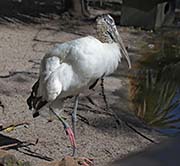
(157, 84)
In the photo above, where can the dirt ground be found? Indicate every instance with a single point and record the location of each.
(21, 49)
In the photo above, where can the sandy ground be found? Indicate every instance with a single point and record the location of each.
(21, 49)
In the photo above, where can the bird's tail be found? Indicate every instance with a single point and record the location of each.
(34, 101)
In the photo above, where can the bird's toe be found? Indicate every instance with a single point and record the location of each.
(85, 161)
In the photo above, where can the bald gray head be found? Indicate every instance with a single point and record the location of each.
(107, 32)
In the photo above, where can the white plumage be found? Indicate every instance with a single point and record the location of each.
(71, 67)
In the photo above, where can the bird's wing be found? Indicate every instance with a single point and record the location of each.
(34, 101)
(92, 58)
(83, 60)
(48, 66)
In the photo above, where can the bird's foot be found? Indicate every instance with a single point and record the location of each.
(70, 133)
(85, 161)
(77, 161)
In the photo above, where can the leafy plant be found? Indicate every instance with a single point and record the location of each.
(157, 98)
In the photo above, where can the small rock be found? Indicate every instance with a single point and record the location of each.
(67, 161)
(7, 159)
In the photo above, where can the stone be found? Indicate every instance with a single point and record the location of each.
(7, 159)
(67, 161)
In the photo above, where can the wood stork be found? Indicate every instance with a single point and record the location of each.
(70, 68)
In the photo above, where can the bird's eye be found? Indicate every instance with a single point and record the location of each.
(105, 19)
(111, 21)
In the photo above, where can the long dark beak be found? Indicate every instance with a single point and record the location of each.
(122, 47)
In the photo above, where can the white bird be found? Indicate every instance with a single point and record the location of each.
(70, 68)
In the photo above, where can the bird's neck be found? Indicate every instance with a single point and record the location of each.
(104, 37)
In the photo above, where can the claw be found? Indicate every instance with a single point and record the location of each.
(86, 162)
(70, 133)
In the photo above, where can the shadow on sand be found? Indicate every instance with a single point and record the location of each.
(20, 146)
(27, 10)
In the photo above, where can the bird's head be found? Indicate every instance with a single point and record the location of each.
(107, 32)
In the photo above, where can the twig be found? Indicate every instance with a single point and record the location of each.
(2, 20)
(139, 133)
(13, 73)
(101, 112)
(44, 41)
(94, 104)
(8, 146)
(92, 110)
(85, 105)
(2, 105)
(83, 119)
(91, 101)
(108, 152)
(50, 28)
(27, 17)
(118, 121)
(9, 19)
(14, 125)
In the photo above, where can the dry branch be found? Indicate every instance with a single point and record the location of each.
(13, 125)
(8, 146)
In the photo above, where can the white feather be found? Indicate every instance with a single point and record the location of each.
(71, 67)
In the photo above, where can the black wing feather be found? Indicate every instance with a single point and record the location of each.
(35, 102)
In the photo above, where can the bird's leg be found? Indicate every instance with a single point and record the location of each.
(103, 94)
(67, 128)
(84, 161)
(74, 120)
(118, 120)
